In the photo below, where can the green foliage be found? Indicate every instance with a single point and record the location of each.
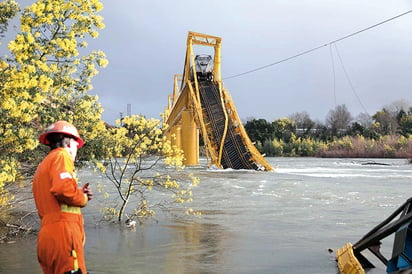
(347, 146)
(385, 122)
(268, 148)
(259, 130)
(307, 147)
(405, 125)
(284, 129)
(277, 146)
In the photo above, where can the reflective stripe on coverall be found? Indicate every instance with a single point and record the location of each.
(60, 243)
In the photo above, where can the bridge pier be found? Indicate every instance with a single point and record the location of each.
(189, 138)
(177, 133)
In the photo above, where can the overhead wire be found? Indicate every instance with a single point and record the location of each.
(349, 80)
(333, 73)
(318, 47)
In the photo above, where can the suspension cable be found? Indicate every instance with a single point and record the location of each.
(318, 47)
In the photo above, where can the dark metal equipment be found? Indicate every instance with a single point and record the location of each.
(351, 260)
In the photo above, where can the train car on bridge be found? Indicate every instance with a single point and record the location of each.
(204, 67)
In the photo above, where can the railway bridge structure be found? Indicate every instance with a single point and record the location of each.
(201, 109)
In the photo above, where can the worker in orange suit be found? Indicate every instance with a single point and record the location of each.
(60, 243)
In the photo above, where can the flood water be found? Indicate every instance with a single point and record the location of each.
(252, 222)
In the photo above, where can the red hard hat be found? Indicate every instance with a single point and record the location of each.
(61, 127)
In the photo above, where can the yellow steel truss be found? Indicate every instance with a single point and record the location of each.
(186, 99)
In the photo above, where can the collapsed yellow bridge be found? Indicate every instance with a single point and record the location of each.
(200, 104)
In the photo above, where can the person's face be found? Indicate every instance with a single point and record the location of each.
(72, 148)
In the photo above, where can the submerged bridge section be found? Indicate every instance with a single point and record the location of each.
(200, 106)
(234, 154)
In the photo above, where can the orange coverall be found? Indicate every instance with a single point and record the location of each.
(60, 243)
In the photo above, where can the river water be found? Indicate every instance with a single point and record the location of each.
(252, 222)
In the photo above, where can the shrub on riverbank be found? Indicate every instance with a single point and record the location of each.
(390, 146)
(135, 150)
(296, 146)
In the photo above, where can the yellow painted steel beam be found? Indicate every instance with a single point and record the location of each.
(179, 105)
(216, 64)
(195, 38)
(176, 80)
(347, 262)
(172, 99)
(204, 39)
(178, 136)
(256, 155)
(222, 143)
(190, 139)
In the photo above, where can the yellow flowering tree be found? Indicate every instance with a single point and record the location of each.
(136, 165)
(8, 173)
(47, 77)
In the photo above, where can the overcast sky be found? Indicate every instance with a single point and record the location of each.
(145, 42)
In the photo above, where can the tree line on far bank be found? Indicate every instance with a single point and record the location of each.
(385, 134)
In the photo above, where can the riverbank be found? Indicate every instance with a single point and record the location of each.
(390, 146)
(21, 219)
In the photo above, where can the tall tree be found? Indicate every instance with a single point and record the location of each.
(48, 78)
(405, 125)
(339, 120)
(385, 122)
(396, 106)
(284, 129)
(364, 119)
(304, 124)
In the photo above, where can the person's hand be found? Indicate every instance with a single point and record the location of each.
(88, 191)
